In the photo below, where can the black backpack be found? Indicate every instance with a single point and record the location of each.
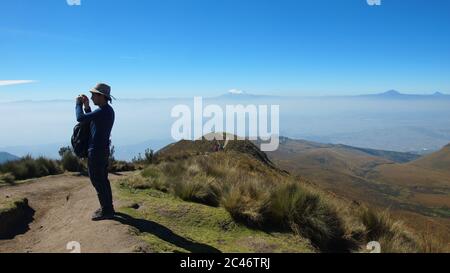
(80, 139)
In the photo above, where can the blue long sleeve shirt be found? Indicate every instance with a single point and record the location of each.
(101, 123)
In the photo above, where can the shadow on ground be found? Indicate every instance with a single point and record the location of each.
(16, 222)
(164, 233)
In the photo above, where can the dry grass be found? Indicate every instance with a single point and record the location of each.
(137, 182)
(392, 235)
(430, 242)
(252, 193)
(265, 198)
(28, 167)
(245, 201)
(200, 188)
(293, 206)
(7, 178)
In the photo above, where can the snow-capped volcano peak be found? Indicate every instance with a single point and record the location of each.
(236, 92)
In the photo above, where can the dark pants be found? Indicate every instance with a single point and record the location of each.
(98, 173)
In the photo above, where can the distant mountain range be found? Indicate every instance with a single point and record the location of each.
(394, 94)
(5, 157)
(242, 95)
(391, 94)
(359, 120)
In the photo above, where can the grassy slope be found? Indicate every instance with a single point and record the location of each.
(203, 224)
(185, 148)
(439, 160)
(415, 190)
(260, 208)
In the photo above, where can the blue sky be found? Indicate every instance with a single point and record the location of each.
(167, 48)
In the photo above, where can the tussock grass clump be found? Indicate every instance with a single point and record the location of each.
(201, 189)
(430, 242)
(121, 166)
(27, 167)
(245, 201)
(149, 178)
(377, 224)
(293, 206)
(194, 169)
(151, 172)
(172, 169)
(213, 167)
(186, 181)
(137, 182)
(392, 235)
(7, 178)
(155, 178)
(285, 205)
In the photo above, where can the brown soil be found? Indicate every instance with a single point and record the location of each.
(63, 206)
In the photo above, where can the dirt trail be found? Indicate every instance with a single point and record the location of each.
(63, 206)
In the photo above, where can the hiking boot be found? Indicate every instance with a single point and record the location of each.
(102, 214)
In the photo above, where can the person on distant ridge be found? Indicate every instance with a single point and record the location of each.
(216, 146)
(101, 123)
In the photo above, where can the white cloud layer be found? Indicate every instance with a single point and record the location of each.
(14, 82)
